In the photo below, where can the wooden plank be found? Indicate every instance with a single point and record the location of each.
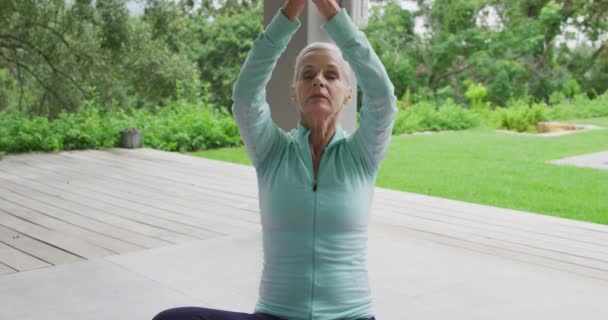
(187, 161)
(128, 164)
(63, 226)
(178, 231)
(392, 231)
(36, 248)
(155, 189)
(550, 245)
(57, 239)
(511, 243)
(159, 176)
(528, 234)
(160, 191)
(18, 260)
(167, 226)
(200, 177)
(168, 207)
(205, 210)
(34, 203)
(4, 269)
(500, 213)
(145, 234)
(493, 219)
(493, 222)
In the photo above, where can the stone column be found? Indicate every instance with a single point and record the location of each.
(278, 95)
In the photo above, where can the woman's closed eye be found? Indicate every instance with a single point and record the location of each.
(329, 76)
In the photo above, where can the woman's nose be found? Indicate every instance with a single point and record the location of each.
(317, 82)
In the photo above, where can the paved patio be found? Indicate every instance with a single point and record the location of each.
(598, 160)
(122, 234)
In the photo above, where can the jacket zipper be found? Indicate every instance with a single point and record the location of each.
(314, 231)
(314, 245)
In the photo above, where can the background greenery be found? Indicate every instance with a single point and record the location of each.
(74, 73)
(57, 54)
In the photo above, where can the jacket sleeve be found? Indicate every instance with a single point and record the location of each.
(379, 104)
(250, 109)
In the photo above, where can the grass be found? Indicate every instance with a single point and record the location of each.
(234, 155)
(497, 169)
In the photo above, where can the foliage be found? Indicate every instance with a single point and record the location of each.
(521, 116)
(88, 68)
(56, 53)
(580, 107)
(215, 37)
(224, 45)
(188, 127)
(181, 126)
(425, 116)
(522, 54)
(476, 93)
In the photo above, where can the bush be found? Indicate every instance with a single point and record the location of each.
(579, 107)
(475, 93)
(181, 126)
(557, 97)
(425, 116)
(189, 127)
(520, 116)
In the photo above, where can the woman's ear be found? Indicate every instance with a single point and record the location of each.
(349, 95)
(293, 95)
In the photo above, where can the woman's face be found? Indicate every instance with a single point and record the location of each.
(321, 88)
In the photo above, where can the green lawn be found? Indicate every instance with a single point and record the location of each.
(498, 169)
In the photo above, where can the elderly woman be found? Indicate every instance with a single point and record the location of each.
(315, 182)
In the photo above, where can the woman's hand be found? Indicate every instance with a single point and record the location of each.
(327, 8)
(293, 8)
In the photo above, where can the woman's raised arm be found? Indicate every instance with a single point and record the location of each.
(379, 105)
(250, 109)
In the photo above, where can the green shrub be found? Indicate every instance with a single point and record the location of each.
(180, 126)
(579, 107)
(520, 116)
(425, 116)
(557, 97)
(571, 87)
(187, 126)
(475, 93)
(455, 117)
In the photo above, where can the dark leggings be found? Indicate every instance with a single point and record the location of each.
(196, 313)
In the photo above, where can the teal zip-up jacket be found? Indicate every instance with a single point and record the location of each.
(314, 238)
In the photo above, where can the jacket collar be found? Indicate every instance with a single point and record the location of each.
(302, 133)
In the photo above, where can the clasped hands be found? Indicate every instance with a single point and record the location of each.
(293, 8)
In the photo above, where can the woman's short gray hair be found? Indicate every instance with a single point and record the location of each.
(345, 67)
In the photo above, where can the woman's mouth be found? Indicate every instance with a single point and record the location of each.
(318, 96)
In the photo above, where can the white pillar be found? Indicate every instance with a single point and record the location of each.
(284, 112)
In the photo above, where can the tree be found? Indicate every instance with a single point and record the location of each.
(61, 55)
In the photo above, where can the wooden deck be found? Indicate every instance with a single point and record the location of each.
(71, 206)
